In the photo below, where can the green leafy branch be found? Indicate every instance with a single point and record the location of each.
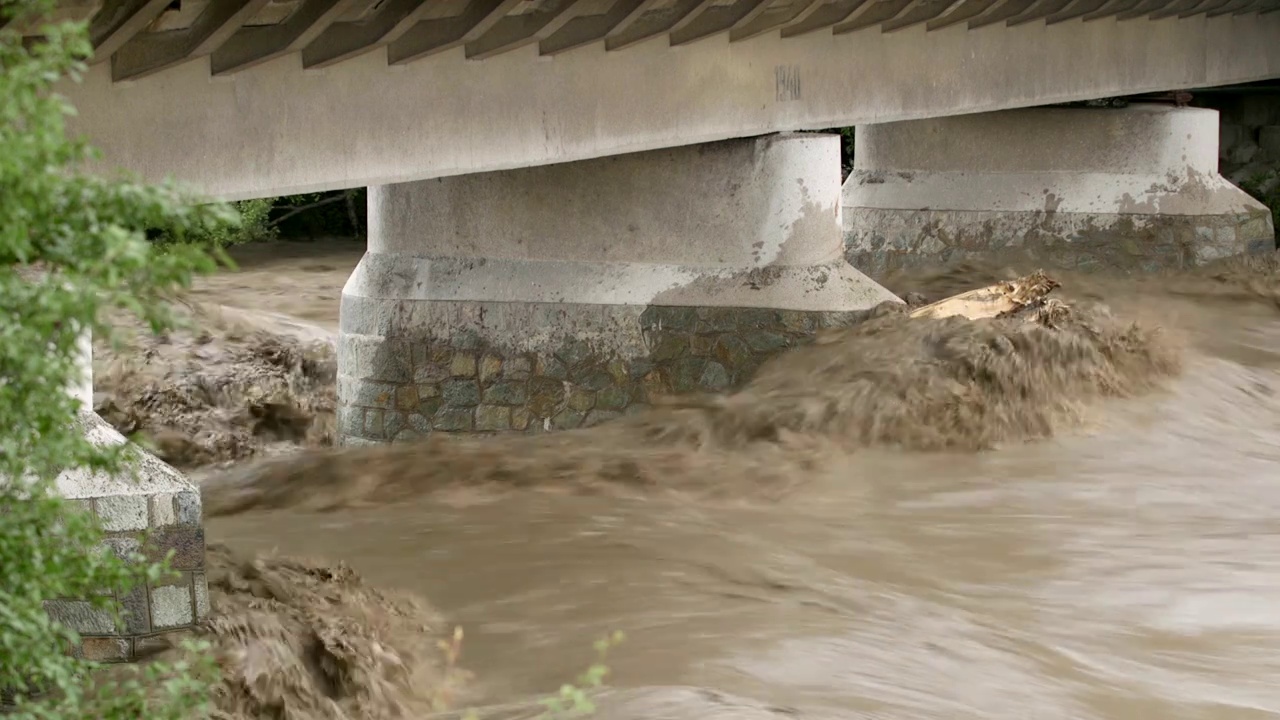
(574, 700)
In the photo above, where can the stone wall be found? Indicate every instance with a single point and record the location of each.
(409, 387)
(158, 514)
(895, 239)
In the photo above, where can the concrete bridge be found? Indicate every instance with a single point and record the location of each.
(250, 98)
(579, 206)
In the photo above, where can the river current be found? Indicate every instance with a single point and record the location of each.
(1125, 567)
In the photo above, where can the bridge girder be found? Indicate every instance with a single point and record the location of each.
(143, 37)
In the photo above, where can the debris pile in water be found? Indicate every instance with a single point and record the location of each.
(914, 380)
(223, 393)
(295, 639)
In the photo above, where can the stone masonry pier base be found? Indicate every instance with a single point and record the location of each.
(1125, 189)
(152, 512)
(564, 295)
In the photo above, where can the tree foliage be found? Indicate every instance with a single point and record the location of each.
(252, 225)
(73, 247)
(337, 213)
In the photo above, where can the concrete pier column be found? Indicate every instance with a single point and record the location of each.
(1135, 188)
(564, 295)
(150, 509)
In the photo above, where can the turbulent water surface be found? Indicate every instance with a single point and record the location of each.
(1126, 567)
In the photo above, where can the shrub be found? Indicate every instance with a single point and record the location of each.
(72, 247)
(250, 223)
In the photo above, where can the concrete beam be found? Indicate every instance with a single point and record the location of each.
(711, 20)
(517, 31)
(651, 24)
(1204, 8)
(963, 11)
(251, 46)
(1259, 6)
(152, 52)
(1237, 7)
(870, 15)
(580, 31)
(343, 41)
(1143, 9)
(772, 19)
(586, 29)
(1108, 9)
(118, 22)
(429, 37)
(1112, 9)
(259, 132)
(507, 26)
(1077, 9)
(922, 12)
(1177, 8)
(1044, 9)
(1005, 10)
(823, 17)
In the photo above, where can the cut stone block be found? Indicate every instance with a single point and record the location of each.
(153, 515)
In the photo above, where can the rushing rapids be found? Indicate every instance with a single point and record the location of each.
(1062, 512)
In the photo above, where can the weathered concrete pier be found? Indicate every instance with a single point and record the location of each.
(1135, 188)
(563, 295)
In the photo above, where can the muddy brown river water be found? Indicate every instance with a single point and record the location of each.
(1127, 568)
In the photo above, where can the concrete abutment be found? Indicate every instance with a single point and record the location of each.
(564, 295)
(1091, 188)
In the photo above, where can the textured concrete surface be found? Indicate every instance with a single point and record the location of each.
(745, 223)
(748, 223)
(772, 200)
(276, 128)
(563, 295)
(1131, 189)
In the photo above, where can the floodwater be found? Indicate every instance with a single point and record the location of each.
(1126, 568)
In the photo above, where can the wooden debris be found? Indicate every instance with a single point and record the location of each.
(999, 300)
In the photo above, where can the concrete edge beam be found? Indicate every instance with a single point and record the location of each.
(224, 136)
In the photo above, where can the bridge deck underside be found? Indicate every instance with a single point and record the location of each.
(141, 37)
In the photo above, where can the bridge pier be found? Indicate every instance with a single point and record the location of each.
(564, 295)
(1135, 188)
(154, 511)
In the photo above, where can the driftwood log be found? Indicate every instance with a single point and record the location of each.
(1003, 299)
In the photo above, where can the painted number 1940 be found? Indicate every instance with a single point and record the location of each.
(787, 79)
